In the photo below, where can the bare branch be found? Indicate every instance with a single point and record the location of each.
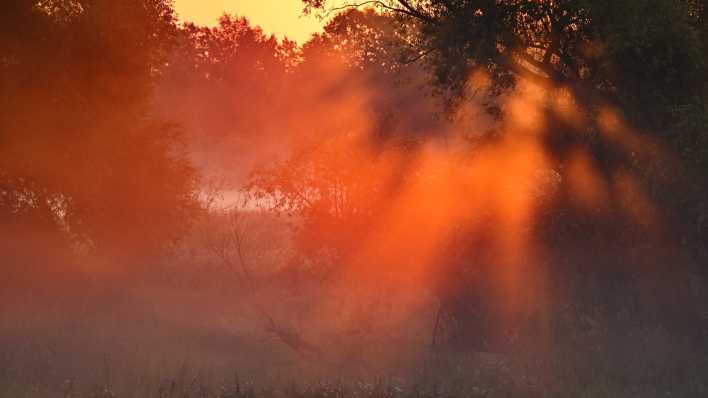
(418, 57)
(407, 9)
(234, 240)
(413, 12)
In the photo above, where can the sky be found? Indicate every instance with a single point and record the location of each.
(279, 17)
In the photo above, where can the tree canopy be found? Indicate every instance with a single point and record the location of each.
(647, 60)
(80, 151)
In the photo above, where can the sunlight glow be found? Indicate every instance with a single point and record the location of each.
(283, 18)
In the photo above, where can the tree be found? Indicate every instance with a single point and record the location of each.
(357, 108)
(223, 85)
(648, 59)
(80, 149)
(587, 44)
(635, 70)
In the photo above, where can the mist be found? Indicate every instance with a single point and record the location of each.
(385, 209)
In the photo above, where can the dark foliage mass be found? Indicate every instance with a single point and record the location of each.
(645, 60)
(82, 158)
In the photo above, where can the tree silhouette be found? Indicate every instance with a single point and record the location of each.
(80, 150)
(634, 75)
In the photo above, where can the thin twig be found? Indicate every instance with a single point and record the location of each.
(408, 9)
